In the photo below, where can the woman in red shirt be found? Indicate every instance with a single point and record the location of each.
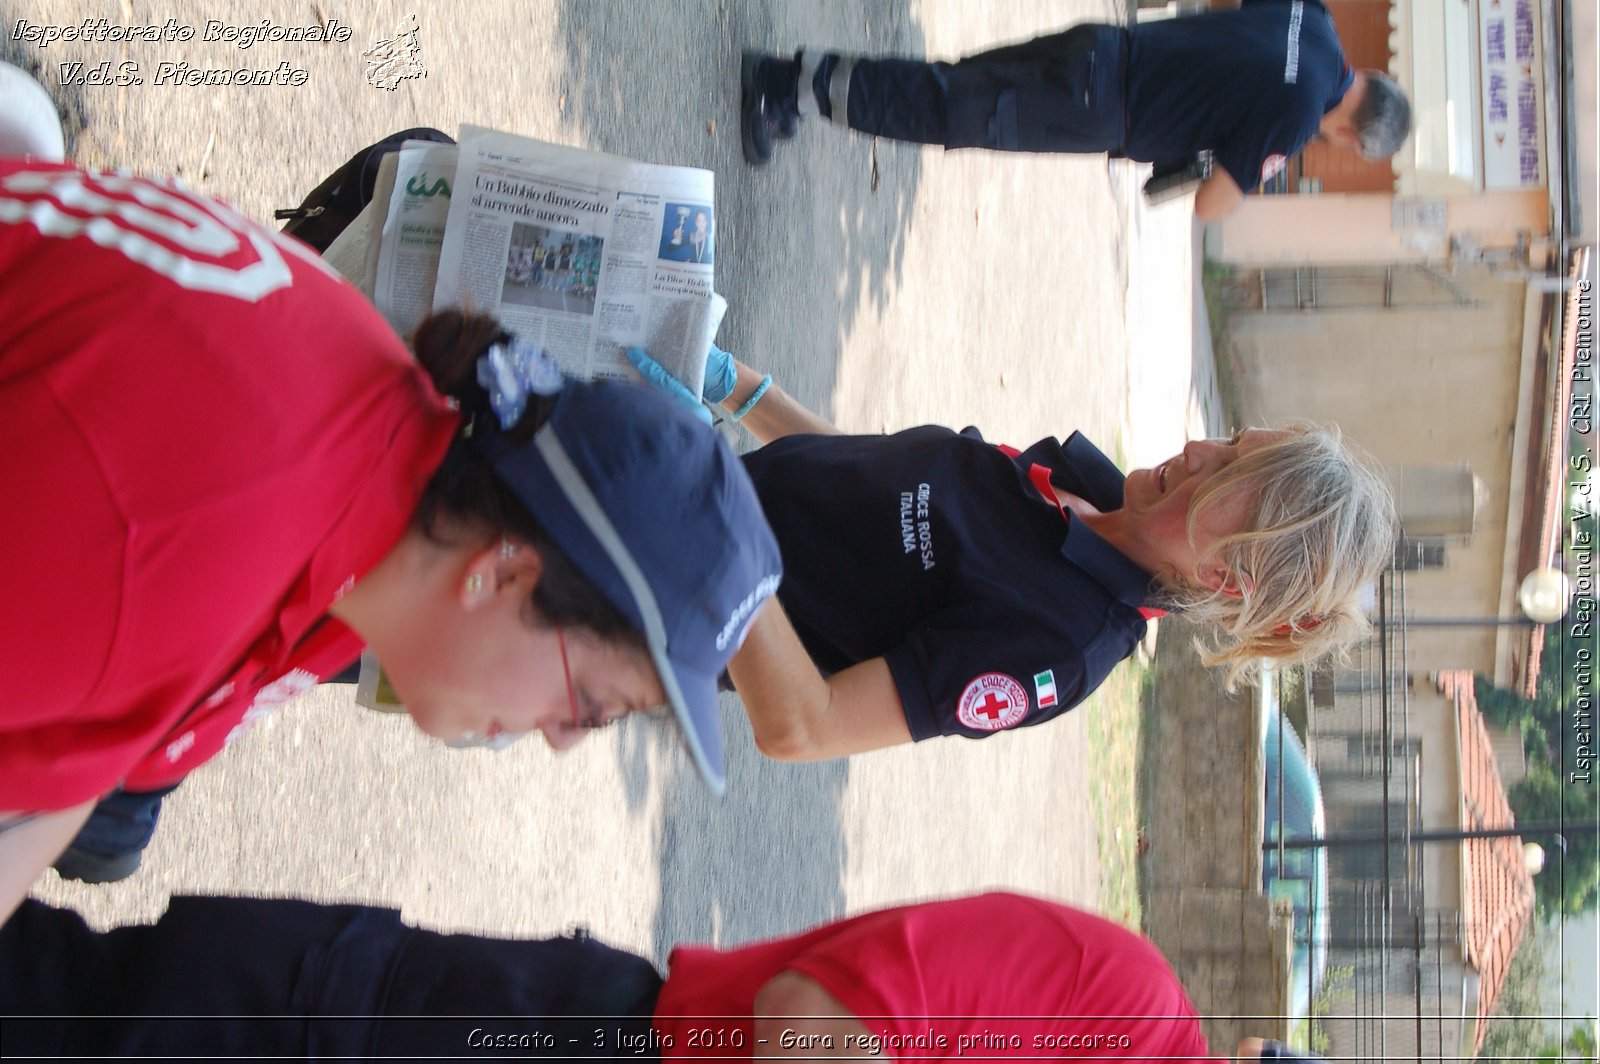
(226, 475)
(994, 976)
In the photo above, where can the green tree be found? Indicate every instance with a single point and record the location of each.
(1545, 719)
(1515, 1032)
(1579, 1048)
(1558, 785)
(1570, 881)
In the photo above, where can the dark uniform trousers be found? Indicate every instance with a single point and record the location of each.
(1065, 92)
(264, 977)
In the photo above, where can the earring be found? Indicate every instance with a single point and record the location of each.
(474, 584)
(508, 550)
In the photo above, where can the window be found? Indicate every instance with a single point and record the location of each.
(1414, 554)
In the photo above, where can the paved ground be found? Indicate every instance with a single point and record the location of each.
(884, 284)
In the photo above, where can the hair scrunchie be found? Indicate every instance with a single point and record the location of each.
(510, 372)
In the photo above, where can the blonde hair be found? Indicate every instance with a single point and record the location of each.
(1322, 530)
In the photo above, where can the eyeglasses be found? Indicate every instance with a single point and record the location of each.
(596, 717)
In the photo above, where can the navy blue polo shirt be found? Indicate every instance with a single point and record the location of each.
(1250, 85)
(934, 550)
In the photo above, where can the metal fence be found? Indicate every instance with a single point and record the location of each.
(1276, 289)
(1385, 980)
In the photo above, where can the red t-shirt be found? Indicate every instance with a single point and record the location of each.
(995, 975)
(206, 436)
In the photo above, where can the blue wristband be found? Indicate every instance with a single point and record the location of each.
(755, 397)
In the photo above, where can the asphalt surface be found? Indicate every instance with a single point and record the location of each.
(883, 284)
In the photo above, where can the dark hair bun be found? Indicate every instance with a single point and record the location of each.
(449, 344)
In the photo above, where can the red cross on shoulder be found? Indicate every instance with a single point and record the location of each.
(992, 702)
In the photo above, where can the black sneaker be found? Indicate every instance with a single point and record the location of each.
(86, 866)
(111, 842)
(766, 112)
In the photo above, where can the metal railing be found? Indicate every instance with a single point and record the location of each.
(1390, 985)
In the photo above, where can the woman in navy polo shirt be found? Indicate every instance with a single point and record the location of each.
(938, 585)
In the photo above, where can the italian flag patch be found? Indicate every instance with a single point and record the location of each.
(1044, 688)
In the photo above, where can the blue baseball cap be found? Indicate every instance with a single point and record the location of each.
(657, 512)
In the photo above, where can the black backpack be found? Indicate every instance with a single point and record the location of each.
(334, 204)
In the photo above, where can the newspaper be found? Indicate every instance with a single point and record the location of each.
(584, 254)
(399, 234)
(416, 187)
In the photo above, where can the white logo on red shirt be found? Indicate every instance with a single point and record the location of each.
(991, 702)
(180, 746)
(192, 241)
(269, 698)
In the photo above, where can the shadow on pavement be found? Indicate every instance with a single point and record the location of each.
(803, 245)
(766, 859)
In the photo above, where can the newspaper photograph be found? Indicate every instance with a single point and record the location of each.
(582, 253)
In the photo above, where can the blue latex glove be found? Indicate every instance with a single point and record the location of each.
(720, 376)
(666, 383)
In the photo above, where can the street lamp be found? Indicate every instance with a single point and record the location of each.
(1545, 594)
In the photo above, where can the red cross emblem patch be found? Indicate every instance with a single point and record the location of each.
(992, 702)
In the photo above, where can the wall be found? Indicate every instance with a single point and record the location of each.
(1200, 877)
(1412, 386)
(1353, 228)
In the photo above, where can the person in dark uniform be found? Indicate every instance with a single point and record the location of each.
(936, 584)
(1252, 86)
(277, 976)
